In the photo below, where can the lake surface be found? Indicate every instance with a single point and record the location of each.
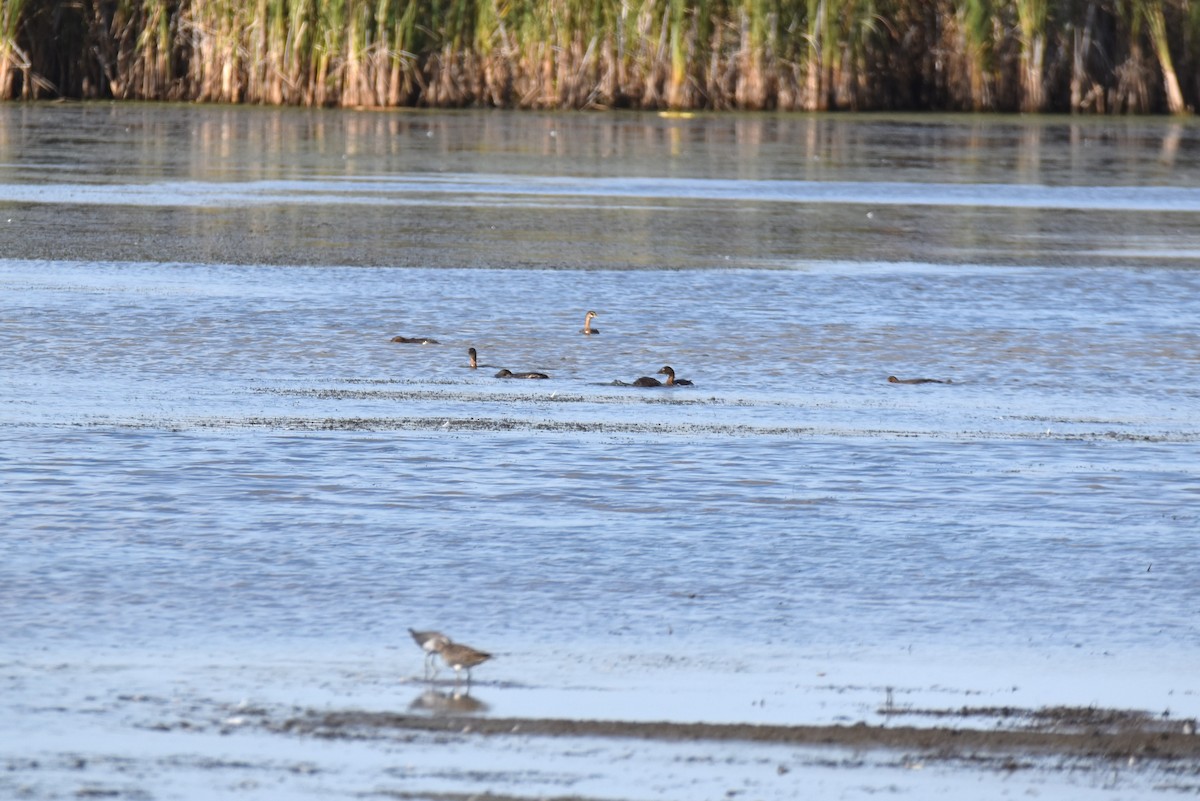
(222, 484)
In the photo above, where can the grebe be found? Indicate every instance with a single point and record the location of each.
(647, 381)
(473, 358)
(587, 329)
(415, 340)
(511, 374)
(893, 380)
(672, 380)
(462, 657)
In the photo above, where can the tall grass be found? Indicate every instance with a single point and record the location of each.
(1032, 55)
(13, 59)
(974, 18)
(1032, 16)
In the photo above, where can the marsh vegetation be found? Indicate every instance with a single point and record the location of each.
(1100, 56)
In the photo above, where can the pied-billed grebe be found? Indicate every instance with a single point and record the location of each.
(473, 360)
(511, 374)
(415, 340)
(672, 381)
(430, 642)
(893, 380)
(462, 657)
(587, 329)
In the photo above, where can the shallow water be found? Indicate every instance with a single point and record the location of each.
(212, 454)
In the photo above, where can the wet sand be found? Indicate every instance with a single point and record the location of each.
(1108, 734)
(299, 726)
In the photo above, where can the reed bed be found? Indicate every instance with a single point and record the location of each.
(1098, 56)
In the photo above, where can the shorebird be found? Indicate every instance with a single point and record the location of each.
(461, 657)
(587, 324)
(430, 642)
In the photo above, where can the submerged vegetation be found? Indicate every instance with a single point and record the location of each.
(1100, 56)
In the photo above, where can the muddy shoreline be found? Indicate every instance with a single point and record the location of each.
(1114, 735)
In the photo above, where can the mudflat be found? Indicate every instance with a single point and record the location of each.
(1072, 731)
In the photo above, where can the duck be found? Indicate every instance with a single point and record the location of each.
(893, 380)
(510, 374)
(587, 329)
(672, 381)
(415, 340)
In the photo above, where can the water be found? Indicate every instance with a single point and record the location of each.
(216, 471)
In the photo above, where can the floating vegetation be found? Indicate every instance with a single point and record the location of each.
(1098, 56)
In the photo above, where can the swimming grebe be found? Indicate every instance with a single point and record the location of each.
(471, 356)
(587, 329)
(511, 374)
(415, 340)
(462, 657)
(672, 380)
(893, 380)
(647, 381)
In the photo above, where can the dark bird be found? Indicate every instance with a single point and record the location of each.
(893, 380)
(647, 381)
(511, 374)
(415, 340)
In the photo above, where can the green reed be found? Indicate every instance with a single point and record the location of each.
(975, 22)
(12, 58)
(1033, 55)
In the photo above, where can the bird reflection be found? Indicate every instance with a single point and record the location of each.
(447, 704)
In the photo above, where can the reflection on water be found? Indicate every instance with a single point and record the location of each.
(117, 143)
(404, 188)
(449, 704)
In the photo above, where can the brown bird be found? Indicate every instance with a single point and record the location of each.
(430, 642)
(587, 329)
(461, 657)
(893, 380)
(415, 340)
(672, 381)
(510, 374)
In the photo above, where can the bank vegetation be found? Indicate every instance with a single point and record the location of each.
(1079, 56)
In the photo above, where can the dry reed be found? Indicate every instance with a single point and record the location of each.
(1103, 56)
